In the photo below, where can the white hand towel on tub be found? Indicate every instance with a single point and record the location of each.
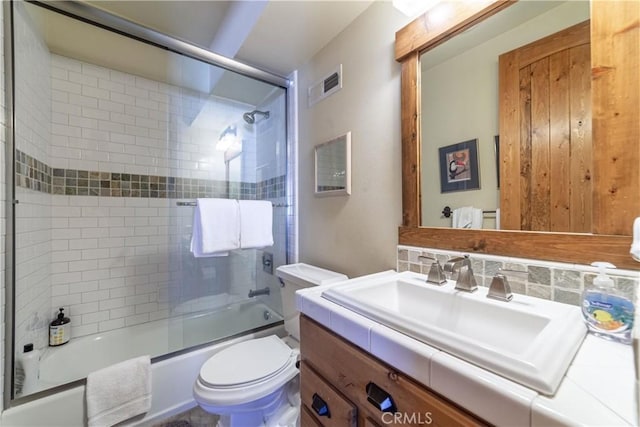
(216, 227)
(119, 392)
(256, 223)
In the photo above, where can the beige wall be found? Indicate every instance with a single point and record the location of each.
(355, 234)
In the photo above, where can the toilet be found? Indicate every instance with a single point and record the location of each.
(255, 382)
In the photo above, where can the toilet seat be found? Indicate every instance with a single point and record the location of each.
(246, 371)
(246, 363)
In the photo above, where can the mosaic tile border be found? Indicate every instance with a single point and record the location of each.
(553, 281)
(32, 173)
(36, 175)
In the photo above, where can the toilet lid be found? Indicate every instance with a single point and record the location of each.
(246, 362)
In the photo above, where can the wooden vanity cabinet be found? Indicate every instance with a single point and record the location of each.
(341, 385)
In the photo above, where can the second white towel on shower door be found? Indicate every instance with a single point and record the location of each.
(256, 223)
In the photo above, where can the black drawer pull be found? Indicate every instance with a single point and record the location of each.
(320, 406)
(380, 398)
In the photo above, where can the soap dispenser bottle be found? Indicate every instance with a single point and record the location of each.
(27, 371)
(59, 330)
(607, 313)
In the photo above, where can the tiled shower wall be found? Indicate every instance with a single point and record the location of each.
(33, 213)
(548, 280)
(109, 121)
(121, 150)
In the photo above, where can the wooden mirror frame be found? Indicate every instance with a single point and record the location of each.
(615, 53)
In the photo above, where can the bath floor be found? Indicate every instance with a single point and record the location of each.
(195, 417)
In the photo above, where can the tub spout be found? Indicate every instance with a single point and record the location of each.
(263, 291)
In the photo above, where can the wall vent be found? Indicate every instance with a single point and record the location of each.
(325, 87)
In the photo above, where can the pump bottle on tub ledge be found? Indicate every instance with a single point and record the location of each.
(59, 330)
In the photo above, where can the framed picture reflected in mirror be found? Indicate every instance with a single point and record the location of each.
(459, 167)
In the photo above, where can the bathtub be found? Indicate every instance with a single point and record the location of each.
(172, 377)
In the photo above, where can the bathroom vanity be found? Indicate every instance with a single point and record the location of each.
(344, 386)
(354, 368)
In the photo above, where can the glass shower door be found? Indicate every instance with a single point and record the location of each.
(113, 145)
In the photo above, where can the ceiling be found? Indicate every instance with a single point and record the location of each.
(278, 36)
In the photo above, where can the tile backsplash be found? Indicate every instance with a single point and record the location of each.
(542, 279)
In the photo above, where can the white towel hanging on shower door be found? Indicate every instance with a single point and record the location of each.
(256, 223)
(216, 227)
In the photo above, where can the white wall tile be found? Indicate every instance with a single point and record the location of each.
(95, 317)
(82, 101)
(79, 331)
(83, 287)
(122, 312)
(113, 302)
(95, 274)
(66, 86)
(109, 325)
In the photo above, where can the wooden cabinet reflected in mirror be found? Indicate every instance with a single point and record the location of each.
(615, 152)
(545, 125)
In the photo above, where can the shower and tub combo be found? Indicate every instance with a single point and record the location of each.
(104, 163)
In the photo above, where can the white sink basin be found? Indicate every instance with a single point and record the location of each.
(528, 340)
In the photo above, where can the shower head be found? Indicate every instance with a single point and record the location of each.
(250, 117)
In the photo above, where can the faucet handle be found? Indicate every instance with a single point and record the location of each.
(500, 288)
(466, 280)
(436, 275)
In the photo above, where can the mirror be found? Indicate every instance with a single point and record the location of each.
(615, 149)
(460, 102)
(333, 167)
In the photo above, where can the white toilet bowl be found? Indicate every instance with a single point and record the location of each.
(255, 382)
(247, 379)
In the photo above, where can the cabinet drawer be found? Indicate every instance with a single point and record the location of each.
(324, 402)
(356, 374)
(307, 419)
(368, 422)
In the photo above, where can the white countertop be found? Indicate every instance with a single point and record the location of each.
(597, 390)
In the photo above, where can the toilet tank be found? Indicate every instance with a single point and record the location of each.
(300, 276)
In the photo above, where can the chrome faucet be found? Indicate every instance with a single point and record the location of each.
(460, 270)
(436, 274)
(499, 288)
(263, 291)
(452, 267)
